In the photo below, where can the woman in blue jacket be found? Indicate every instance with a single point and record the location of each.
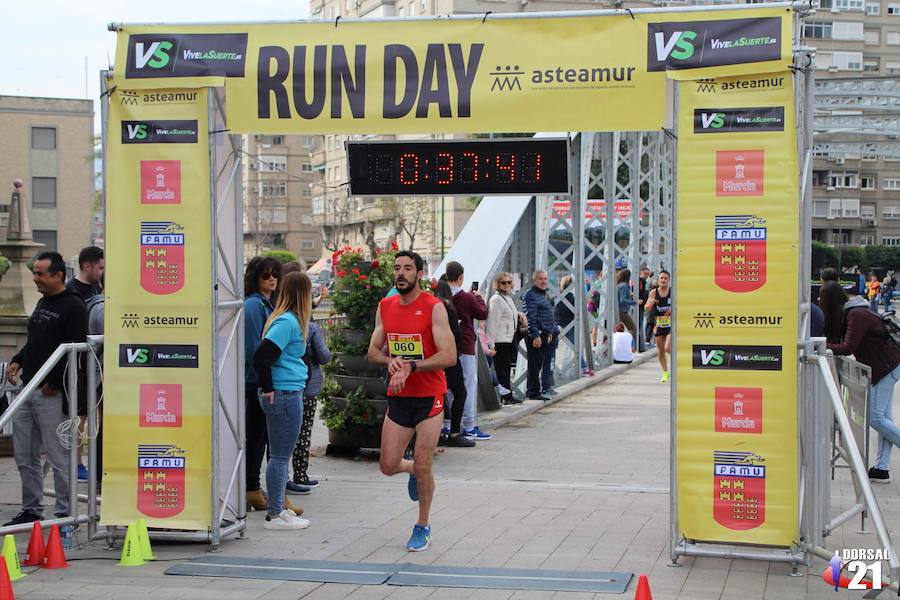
(626, 300)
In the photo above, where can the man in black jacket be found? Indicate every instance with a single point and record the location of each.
(542, 331)
(59, 317)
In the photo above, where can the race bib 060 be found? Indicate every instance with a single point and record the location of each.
(406, 346)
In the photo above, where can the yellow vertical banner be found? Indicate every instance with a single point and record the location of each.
(736, 310)
(157, 415)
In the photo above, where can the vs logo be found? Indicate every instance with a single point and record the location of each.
(714, 120)
(136, 131)
(682, 40)
(137, 356)
(154, 55)
(712, 358)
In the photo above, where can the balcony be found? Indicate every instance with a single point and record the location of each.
(317, 160)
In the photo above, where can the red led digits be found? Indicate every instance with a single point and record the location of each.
(469, 167)
(531, 167)
(444, 164)
(409, 168)
(506, 167)
(382, 168)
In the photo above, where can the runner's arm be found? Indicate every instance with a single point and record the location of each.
(651, 300)
(376, 354)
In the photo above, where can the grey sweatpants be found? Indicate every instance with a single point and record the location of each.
(34, 429)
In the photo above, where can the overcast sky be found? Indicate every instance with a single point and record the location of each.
(45, 42)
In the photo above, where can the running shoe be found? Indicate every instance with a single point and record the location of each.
(82, 473)
(26, 516)
(458, 441)
(413, 488)
(501, 391)
(310, 483)
(665, 377)
(476, 434)
(879, 475)
(420, 538)
(296, 488)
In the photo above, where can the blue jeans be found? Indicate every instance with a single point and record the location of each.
(881, 418)
(283, 419)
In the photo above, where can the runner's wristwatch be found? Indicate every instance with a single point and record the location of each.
(412, 367)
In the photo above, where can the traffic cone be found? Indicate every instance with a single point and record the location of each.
(144, 540)
(36, 551)
(56, 556)
(131, 550)
(6, 589)
(11, 558)
(643, 589)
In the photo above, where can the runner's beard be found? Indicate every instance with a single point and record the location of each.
(410, 286)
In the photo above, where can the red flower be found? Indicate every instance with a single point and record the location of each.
(434, 283)
(354, 271)
(362, 278)
(394, 245)
(342, 273)
(375, 264)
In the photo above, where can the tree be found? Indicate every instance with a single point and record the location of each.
(334, 223)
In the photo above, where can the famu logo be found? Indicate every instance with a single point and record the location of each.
(697, 44)
(159, 132)
(188, 55)
(736, 120)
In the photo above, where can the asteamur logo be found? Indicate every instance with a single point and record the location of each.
(695, 44)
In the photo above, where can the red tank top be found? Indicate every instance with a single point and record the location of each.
(408, 334)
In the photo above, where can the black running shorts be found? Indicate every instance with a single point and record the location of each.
(409, 411)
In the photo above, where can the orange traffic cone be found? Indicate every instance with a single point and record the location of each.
(6, 589)
(36, 551)
(643, 589)
(56, 556)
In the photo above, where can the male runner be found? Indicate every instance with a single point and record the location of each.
(414, 328)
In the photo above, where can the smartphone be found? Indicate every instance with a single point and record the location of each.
(474, 286)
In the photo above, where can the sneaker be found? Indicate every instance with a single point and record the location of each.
(542, 398)
(420, 538)
(477, 434)
(285, 520)
(445, 431)
(549, 392)
(82, 473)
(665, 377)
(511, 400)
(458, 441)
(310, 483)
(412, 487)
(442, 440)
(295, 488)
(879, 475)
(26, 516)
(501, 391)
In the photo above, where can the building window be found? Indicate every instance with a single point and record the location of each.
(870, 65)
(844, 208)
(43, 192)
(867, 182)
(307, 192)
(892, 67)
(820, 209)
(318, 205)
(842, 180)
(890, 240)
(43, 138)
(273, 215)
(306, 167)
(867, 239)
(272, 164)
(817, 29)
(819, 3)
(891, 183)
(872, 37)
(847, 30)
(893, 9)
(278, 140)
(893, 38)
(308, 245)
(849, 4)
(47, 237)
(867, 211)
(873, 8)
(890, 212)
(274, 189)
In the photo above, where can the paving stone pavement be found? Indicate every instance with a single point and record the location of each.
(582, 484)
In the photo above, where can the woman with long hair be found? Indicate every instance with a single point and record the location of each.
(456, 386)
(853, 329)
(626, 300)
(282, 375)
(660, 302)
(503, 321)
(260, 286)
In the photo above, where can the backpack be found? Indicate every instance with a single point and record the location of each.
(892, 328)
(96, 311)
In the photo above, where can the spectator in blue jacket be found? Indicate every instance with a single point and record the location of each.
(626, 300)
(542, 331)
(260, 282)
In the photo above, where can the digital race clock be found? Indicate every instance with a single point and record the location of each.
(520, 166)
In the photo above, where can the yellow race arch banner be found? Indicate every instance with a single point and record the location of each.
(158, 392)
(736, 310)
(594, 72)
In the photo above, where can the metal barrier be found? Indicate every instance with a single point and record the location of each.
(70, 352)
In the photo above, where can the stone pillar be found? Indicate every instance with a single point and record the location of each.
(18, 295)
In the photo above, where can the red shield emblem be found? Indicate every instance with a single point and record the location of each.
(740, 253)
(162, 257)
(739, 489)
(160, 480)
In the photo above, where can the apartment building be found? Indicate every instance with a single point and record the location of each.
(279, 183)
(49, 144)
